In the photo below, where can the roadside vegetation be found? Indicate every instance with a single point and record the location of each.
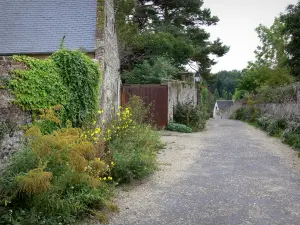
(272, 78)
(70, 161)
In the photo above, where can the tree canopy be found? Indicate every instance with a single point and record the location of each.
(173, 29)
(291, 20)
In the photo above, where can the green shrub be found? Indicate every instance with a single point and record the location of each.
(140, 111)
(179, 128)
(191, 116)
(56, 179)
(248, 114)
(133, 146)
(268, 94)
(38, 87)
(81, 77)
(134, 152)
(291, 135)
(152, 71)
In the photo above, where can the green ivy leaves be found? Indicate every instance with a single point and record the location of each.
(68, 78)
(81, 77)
(38, 87)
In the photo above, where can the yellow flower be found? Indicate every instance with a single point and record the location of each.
(112, 163)
(98, 159)
(104, 178)
(109, 178)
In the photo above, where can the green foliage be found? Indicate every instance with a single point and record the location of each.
(284, 94)
(249, 114)
(38, 87)
(272, 52)
(56, 179)
(191, 116)
(154, 71)
(134, 151)
(173, 29)
(291, 28)
(140, 111)
(257, 77)
(81, 77)
(179, 128)
(225, 81)
(133, 144)
(287, 130)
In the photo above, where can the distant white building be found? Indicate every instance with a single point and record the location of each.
(221, 107)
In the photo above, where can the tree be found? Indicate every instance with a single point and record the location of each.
(169, 28)
(272, 51)
(216, 94)
(225, 80)
(292, 26)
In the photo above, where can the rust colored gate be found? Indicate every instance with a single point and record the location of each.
(156, 95)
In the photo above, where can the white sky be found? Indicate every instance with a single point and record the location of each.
(238, 20)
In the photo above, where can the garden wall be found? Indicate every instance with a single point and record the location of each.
(11, 116)
(107, 54)
(180, 92)
(288, 110)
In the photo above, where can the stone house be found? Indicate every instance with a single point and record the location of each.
(221, 108)
(37, 27)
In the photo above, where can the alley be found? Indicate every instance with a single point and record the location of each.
(231, 173)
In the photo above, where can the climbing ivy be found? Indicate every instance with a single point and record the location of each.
(81, 76)
(39, 86)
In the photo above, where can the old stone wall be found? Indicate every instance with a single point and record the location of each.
(288, 110)
(11, 116)
(108, 56)
(180, 92)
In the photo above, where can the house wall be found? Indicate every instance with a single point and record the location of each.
(107, 55)
(180, 92)
(10, 114)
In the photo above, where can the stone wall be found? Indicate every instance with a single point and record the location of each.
(287, 110)
(108, 56)
(11, 116)
(180, 92)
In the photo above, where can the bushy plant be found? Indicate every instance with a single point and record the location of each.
(133, 145)
(139, 110)
(179, 128)
(249, 114)
(39, 86)
(268, 94)
(57, 178)
(81, 77)
(191, 116)
(291, 135)
(152, 71)
(135, 153)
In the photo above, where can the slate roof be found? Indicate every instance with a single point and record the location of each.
(38, 26)
(224, 104)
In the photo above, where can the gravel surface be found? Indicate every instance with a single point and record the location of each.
(231, 173)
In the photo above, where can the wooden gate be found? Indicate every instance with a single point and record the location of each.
(156, 95)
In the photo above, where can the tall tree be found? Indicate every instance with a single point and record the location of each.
(291, 20)
(171, 28)
(272, 51)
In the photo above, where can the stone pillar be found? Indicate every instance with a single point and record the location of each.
(107, 54)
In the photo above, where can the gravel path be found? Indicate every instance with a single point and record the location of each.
(231, 173)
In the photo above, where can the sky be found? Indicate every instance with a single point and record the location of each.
(236, 28)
